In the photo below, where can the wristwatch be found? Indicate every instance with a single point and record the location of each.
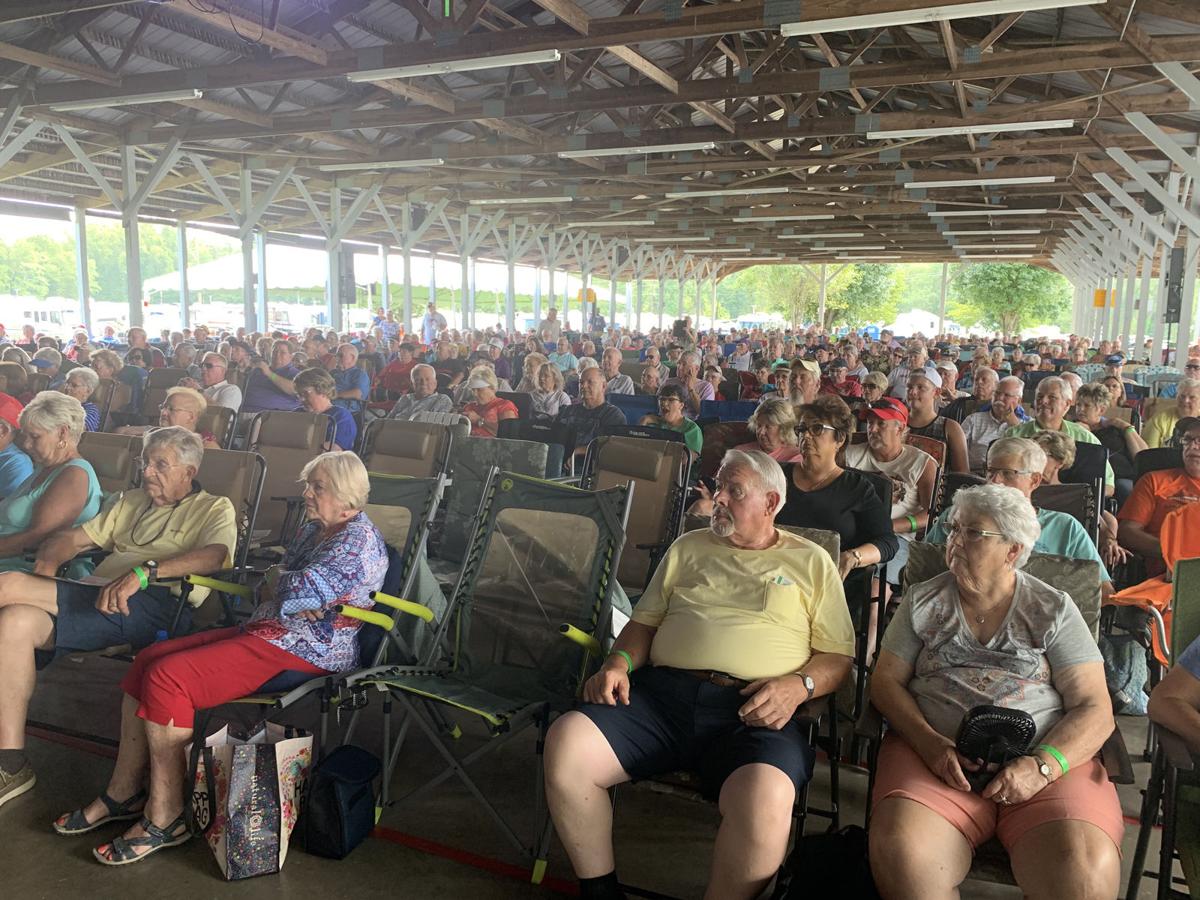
(1044, 768)
(151, 568)
(809, 685)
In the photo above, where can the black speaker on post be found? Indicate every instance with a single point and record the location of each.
(1174, 287)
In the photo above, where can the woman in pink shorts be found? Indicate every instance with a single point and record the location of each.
(986, 633)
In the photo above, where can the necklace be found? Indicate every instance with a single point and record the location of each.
(824, 479)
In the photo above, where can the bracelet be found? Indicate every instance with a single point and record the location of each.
(912, 523)
(142, 577)
(857, 558)
(628, 659)
(1059, 758)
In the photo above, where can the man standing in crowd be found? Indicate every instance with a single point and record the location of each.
(432, 324)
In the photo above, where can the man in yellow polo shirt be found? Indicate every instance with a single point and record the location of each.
(739, 626)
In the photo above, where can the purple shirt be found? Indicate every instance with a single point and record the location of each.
(261, 393)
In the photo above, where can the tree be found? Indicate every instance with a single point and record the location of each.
(1007, 296)
(860, 294)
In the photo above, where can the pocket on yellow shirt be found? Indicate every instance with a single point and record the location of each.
(781, 601)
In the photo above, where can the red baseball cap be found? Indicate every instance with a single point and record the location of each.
(889, 408)
(10, 409)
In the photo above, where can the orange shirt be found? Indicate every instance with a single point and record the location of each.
(490, 413)
(1156, 494)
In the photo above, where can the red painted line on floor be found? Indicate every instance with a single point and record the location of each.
(466, 858)
(73, 741)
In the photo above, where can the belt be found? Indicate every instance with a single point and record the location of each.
(720, 679)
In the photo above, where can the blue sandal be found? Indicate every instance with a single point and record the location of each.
(75, 823)
(122, 851)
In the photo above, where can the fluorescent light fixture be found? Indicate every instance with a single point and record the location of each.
(726, 192)
(997, 246)
(859, 247)
(504, 201)
(990, 212)
(877, 256)
(674, 240)
(637, 151)
(996, 231)
(924, 14)
(734, 249)
(128, 100)
(382, 164)
(997, 256)
(782, 218)
(754, 259)
(982, 182)
(820, 237)
(952, 130)
(499, 61)
(602, 223)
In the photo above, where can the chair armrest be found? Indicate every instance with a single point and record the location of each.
(1175, 749)
(404, 606)
(582, 638)
(369, 616)
(661, 545)
(228, 587)
(1115, 759)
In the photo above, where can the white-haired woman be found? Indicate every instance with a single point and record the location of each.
(62, 491)
(337, 559)
(168, 528)
(549, 397)
(986, 633)
(81, 383)
(773, 424)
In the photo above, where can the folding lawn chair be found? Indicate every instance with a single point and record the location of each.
(539, 565)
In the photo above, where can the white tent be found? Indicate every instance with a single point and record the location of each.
(920, 321)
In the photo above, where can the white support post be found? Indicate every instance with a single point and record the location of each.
(260, 295)
(249, 310)
(942, 299)
(1183, 334)
(181, 263)
(612, 286)
(662, 297)
(510, 288)
(637, 318)
(822, 294)
(1158, 343)
(1127, 304)
(133, 247)
(714, 301)
(406, 309)
(82, 286)
(385, 289)
(537, 295)
(432, 279)
(1143, 307)
(333, 284)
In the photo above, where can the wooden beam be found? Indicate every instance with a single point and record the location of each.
(57, 64)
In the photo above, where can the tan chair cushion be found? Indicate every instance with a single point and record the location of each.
(293, 431)
(406, 443)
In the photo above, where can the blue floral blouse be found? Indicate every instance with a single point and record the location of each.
(320, 574)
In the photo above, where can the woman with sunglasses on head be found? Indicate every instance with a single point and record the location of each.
(823, 494)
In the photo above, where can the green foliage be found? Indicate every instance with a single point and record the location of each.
(861, 293)
(1009, 296)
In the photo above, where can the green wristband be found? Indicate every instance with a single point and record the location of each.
(142, 577)
(628, 659)
(1053, 751)
(912, 523)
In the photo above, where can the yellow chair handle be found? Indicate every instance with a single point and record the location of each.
(580, 637)
(404, 606)
(238, 590)
(366, 615)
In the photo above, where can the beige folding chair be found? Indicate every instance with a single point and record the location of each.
(218, 421)
(286, 440)
(417, 449)
(114, 459)
(158, 382)
(659, 473)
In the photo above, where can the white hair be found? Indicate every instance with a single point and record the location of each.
(50, 410)
(585, 363)
(766, 471)
(1007, 507)
(87, 376)
(1054, 381)
(1031, 455)
(347, 476)
(187, 445)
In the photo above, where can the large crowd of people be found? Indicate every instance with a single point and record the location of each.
(742, 623)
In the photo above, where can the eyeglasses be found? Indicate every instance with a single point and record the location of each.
(157, 465)
(172, 409)
(805, 427)
(1007, 473)
(1189, 441)
(1192, 366)
(970, 535)
(209, 365)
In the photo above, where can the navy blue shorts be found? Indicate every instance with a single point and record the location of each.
(676, 722)
(79, 626)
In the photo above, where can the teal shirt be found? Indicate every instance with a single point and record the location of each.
(1062, 535)
(693, 437)
(1073, 430)
(16, 510)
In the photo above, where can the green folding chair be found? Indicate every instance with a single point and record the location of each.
(540, 564)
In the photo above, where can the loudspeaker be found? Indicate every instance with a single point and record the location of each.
(1174, 287)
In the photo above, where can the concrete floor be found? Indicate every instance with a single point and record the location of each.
(663, 842)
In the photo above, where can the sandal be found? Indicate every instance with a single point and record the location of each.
(122, 851)
(75, 823)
